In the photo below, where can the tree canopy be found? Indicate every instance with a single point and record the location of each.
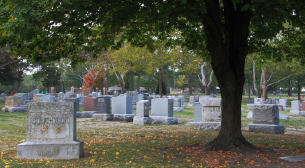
(48, 30)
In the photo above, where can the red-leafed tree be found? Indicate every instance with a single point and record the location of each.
(92, 79)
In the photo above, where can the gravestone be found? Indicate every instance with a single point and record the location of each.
(295, 107)
(211, 114)
(122, 108)
(81, 99)
(266, 119)
(259, 100)
(205, 97)
(35, 91)
(2, 97)
(61, 97)
(269, 101)
(146, 95)
(103, 109)
(284, 103)
(134, 96)
(283, 116)
(177, 104)
(140, 97)
(162, 111)
(70, 95)
(192, 100)
(183, 104)
(76, 100)
(72, 89)
(23, 96)
(251, 101)
(302, 112)
(51, 132)
(52, 90)
(14, 104)
(85, 114)
(142, 113)
(37, 97)
(90, 104)
(250, 114)
(197, 115)
(47, 98)
(13, 92)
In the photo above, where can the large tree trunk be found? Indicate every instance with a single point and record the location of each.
(160, 81)
(18, 86)
(265, 89)
(299, 88)
(131, 81)
(122, 87)
(138, 83)
(207, 90)
(102, 86)
(228, 52)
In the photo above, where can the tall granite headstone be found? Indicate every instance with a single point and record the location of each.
(103, 109)
(142, 113)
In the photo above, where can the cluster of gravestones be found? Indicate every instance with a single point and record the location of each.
(17, 102)
(265, 114)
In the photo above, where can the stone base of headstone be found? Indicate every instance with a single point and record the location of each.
(123, 117)
(164, 120)
(14, 109)
(141, 120)
(302, 113)
(190, 104)
(85, 114)
(250, 106)
(212, 126)
(283, 116)
(52, 150)
(250, 115)
(196, 124)
(178, 109)
(267, 128)
(103, 116)
(295, 112)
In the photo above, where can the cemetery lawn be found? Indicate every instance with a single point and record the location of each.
(122, 144)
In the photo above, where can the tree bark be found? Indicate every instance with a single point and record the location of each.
(299, 88)
(102, 86)
(138, 83)
(160, 80)
(131, 81)
(228, 52)
(265, 93)
(122, 87)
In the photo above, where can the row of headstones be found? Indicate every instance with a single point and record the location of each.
(179, 100)
(99, 109)
(297, 108)
(198, 99)
(265, 117)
